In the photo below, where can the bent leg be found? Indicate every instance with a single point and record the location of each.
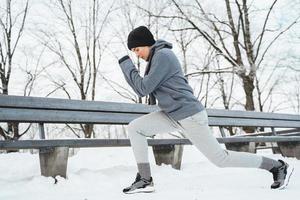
(197, 130)
(147, 126)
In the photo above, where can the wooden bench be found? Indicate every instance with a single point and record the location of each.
(54, 152)
(289, 147)
(272, 145)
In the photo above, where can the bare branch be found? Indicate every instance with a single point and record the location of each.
(208, 72)
(293, 68)
(73, 131)
(264, 29)
(127, 96)
(275, 39)
(21, 28)
(204, 34)
(234, 34)
(216, 29)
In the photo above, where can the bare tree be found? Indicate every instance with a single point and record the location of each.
(184, 39)
(235, 41)
(248, 53)
(266, 83)
(203, 74)
(79, 47)
(11, 26)
(126, 15)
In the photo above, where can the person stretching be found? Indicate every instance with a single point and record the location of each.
(180, 110)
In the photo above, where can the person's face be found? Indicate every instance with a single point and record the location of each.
(142, 52)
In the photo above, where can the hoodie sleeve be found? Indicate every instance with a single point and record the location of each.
(160, 71)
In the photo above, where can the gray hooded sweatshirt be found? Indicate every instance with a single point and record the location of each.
(165, 81)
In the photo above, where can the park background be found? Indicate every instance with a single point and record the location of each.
(236, 54)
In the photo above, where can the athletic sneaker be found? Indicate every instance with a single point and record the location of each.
(140, 185)
(281, 175)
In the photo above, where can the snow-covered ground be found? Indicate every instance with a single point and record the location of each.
(101, 173)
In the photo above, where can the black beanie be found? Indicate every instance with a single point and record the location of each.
(140, 36)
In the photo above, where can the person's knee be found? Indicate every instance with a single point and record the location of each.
(135, 127)
(132, 128)
(131, 125)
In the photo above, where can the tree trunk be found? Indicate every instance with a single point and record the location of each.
(88, 130)
(248, 85)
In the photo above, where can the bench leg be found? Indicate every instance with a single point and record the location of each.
(168, 154)
(241, 146)
(53, 161)
(290, 149)
(269, 145)
(275, 148)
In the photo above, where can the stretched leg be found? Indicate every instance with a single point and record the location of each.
(197, 130)
(147, 126)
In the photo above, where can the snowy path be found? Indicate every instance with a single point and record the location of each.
(102, 173)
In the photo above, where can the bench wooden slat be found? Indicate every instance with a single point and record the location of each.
(251, 115)
(78, 143)
(260, 139)
(60, 116)
(52, 116)
(218, 121)
(9, 101)
(294, 131)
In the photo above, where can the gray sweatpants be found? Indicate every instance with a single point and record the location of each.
(196, 129)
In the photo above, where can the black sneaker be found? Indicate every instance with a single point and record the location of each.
(281, 175)
(140, 185)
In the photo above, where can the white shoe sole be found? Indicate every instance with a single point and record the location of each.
(290, 170)
(148, 189)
